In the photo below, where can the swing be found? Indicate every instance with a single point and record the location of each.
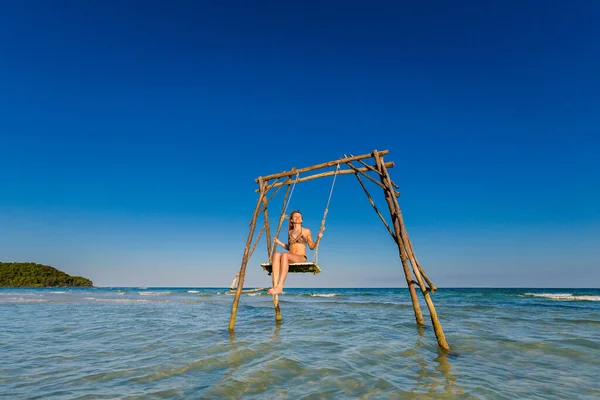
(295, 267)
(306, 266)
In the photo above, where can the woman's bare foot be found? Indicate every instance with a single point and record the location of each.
(275, 290)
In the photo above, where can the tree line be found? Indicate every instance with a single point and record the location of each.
(28, 274)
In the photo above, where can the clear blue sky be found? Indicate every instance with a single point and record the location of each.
(132, 132)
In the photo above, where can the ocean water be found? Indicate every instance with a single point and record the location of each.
(173, 343)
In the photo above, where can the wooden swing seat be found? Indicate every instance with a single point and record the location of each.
(295, 267)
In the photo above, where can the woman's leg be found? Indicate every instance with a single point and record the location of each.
(286, 259)
(276, 268)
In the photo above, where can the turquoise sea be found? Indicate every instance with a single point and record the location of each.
(173, 343)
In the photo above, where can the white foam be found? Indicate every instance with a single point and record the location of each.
(565, 296)
(324, 294)
(153, 293)
(193, 291)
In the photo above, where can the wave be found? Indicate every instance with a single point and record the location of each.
(125, 300)
(565, 296)
(193, 291)
(324, 294)
(22, 299)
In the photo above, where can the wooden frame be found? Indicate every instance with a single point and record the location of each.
(413, 272)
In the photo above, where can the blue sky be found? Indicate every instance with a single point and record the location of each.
(132, 133)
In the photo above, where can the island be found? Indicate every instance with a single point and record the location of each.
(29, 274)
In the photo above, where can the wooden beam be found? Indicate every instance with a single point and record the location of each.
(389, 164)
(319, 166)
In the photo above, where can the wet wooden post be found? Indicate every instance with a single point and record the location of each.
(400, 229)
(242, 273)
(277, 309)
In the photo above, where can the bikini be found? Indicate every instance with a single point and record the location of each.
(296, 240)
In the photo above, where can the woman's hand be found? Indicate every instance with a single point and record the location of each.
(320, 234)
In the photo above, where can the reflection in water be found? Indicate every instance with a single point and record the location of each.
(427, 378)
(445, 368)
(244, 371)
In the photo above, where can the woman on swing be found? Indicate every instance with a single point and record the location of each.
(298, 238)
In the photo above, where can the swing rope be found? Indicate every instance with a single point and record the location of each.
(291, 193)
(316, 254)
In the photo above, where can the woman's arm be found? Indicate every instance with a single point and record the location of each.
(312, 244)
(279, 242)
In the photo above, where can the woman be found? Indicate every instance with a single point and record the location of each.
(298, 238)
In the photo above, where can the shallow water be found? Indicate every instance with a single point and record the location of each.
(173, 343)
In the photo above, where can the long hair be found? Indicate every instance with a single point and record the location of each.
(291, 224)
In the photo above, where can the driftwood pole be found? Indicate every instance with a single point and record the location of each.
(402, 242)
(388, 192)
(242, 273)
(432, 287)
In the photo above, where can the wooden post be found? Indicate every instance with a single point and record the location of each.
(388, 192)
(400, 230)
(242, 273)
